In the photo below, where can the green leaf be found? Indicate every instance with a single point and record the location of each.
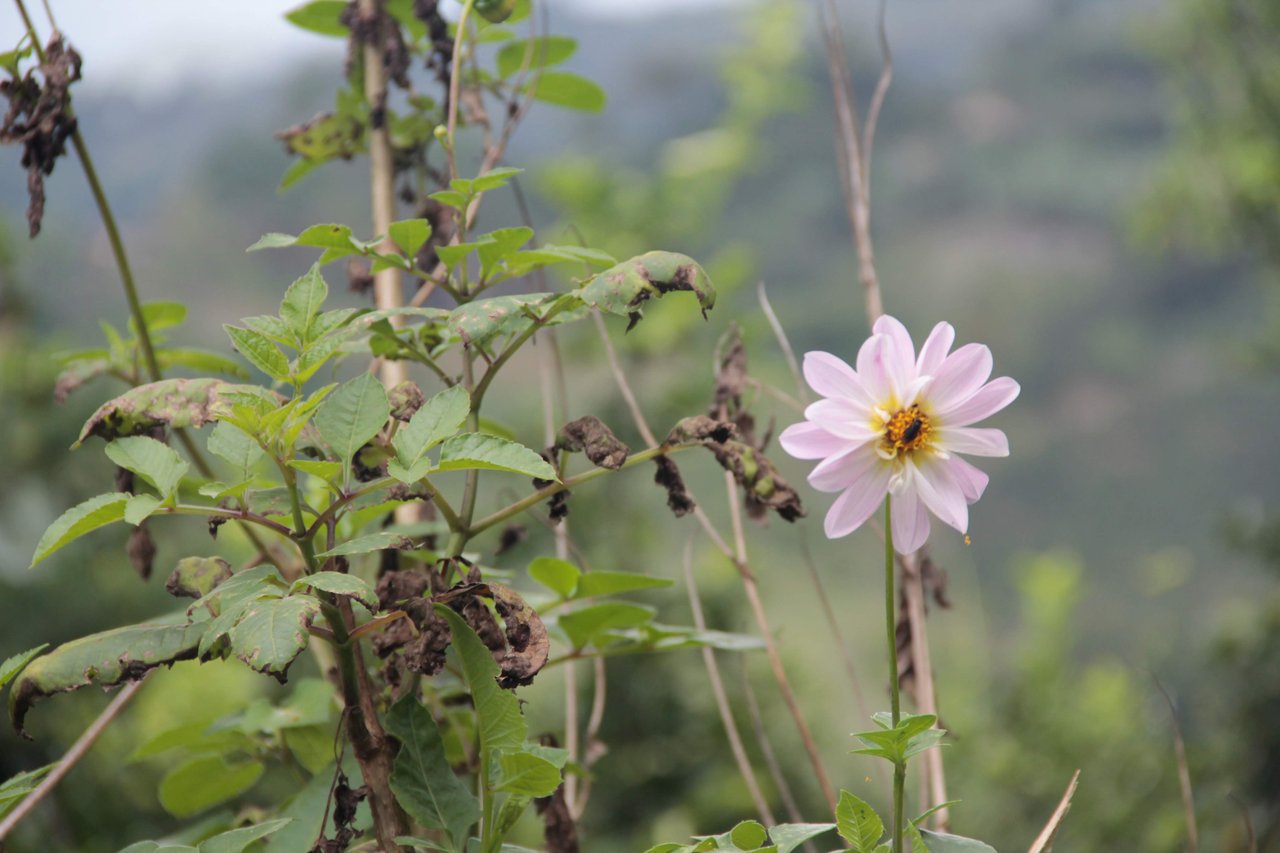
(195, 577)
(259, 351)
(585, 625)
(437, 419)
(612, 583)
(498, 245)
(380, 541)
(16, 787)
(483, 320)
(422, 780)
(336, 240)
(302, 303)
(534, 53)
(79, 520)
(156, 462)
(339, 584)
(193, 737)
(941, 842)
(789, 836)
(206, 781)
(199, 360)
(237, 840)
(307, 808)
(140, 507)
(564, 89)
(748, 835)
(160, 315)
(319, 16)
(624, 288)
(477, 450)
(500, 723)
(858, 823)
(352, 415)
(526, 774)
(13, 665)
(104, 660)
(272, 632)
(495, 11)
(330, 472)
(559, 576)
(238, 449)
(410, 235)
(494, 178)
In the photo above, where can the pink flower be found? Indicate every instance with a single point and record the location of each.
(895, 425)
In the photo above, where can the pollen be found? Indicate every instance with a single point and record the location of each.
(905, 431)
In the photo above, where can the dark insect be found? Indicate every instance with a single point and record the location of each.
(909, 434)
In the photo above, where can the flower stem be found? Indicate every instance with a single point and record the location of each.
(891, 642)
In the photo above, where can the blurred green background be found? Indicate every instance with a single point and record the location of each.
(1090, 188)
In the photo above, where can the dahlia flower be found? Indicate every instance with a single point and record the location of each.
(894, 426)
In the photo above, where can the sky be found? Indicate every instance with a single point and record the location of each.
(159, 45)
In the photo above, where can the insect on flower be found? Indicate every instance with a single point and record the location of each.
(894, 426)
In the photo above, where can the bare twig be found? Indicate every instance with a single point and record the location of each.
(722, 700)
(77, 751)
(766, 750)
(1184, 773)
(784, 344)
(877, 100)
(1250, 834)
(1044, 841)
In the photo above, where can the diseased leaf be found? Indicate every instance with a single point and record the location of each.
(260, 351)
(586, 625)
(483, 320)
(500, 723)
(156, 462)
(339, 584)
(478, 450)
(381, 541)
(353, 414)
(195, 577)
(177, 403)
(105, 659)
(422, 779)
(203, 782)
(623, 289)
(272, 632)
(80, 519)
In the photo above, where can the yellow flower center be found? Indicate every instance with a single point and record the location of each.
(906, 431)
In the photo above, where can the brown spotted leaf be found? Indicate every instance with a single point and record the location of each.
(272, 632)
(623, 289)
(176, 403)
(589, 435)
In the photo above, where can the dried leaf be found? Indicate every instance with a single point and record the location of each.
(668, 476)
(589, 435)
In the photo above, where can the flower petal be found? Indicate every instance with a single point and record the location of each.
(898, 335)
(960, 375)
(973, 440)
(832, 377)
(941, 493)
(873, 368)
(984, 403)
(910, 522)
(935, 349)
(842, 471)
(857, 503)
(972, 480)
(807, 440)
(842, 418)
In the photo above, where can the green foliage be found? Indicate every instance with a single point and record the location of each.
(422, 780)
(858, 823)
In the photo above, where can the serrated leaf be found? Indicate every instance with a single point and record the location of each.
(623, 289)
(260, 351)
(380, 541)
(476, 450)
(273, 632)
(203, 782)
(858, 823)
(612, 583)
(499, 721)
(13, 665)
(941, 842)
(352, 415)
(559, 576)
(494, 178)
(587, 624)
(339, 583)
(422, 779)
(330, 472)
(564, 89)
(236, 840)
(104, 659)
(410, 235)
(534, 53)
(483, 320)
(437, 419)
(139, 508)
(302, 302)
(80, 519)
(178, 403)
(526, 774)
(789, 836)
(319, 16)
(156, 462)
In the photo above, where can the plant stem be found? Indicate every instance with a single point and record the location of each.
(454, 73)
(891, 642)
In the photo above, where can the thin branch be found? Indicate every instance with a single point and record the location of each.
(1044, 841)
(77, 751)
(1184, 773)
(784, 343)
(770, 757)
(722, 700)
(877, 99)
(1250, 834)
